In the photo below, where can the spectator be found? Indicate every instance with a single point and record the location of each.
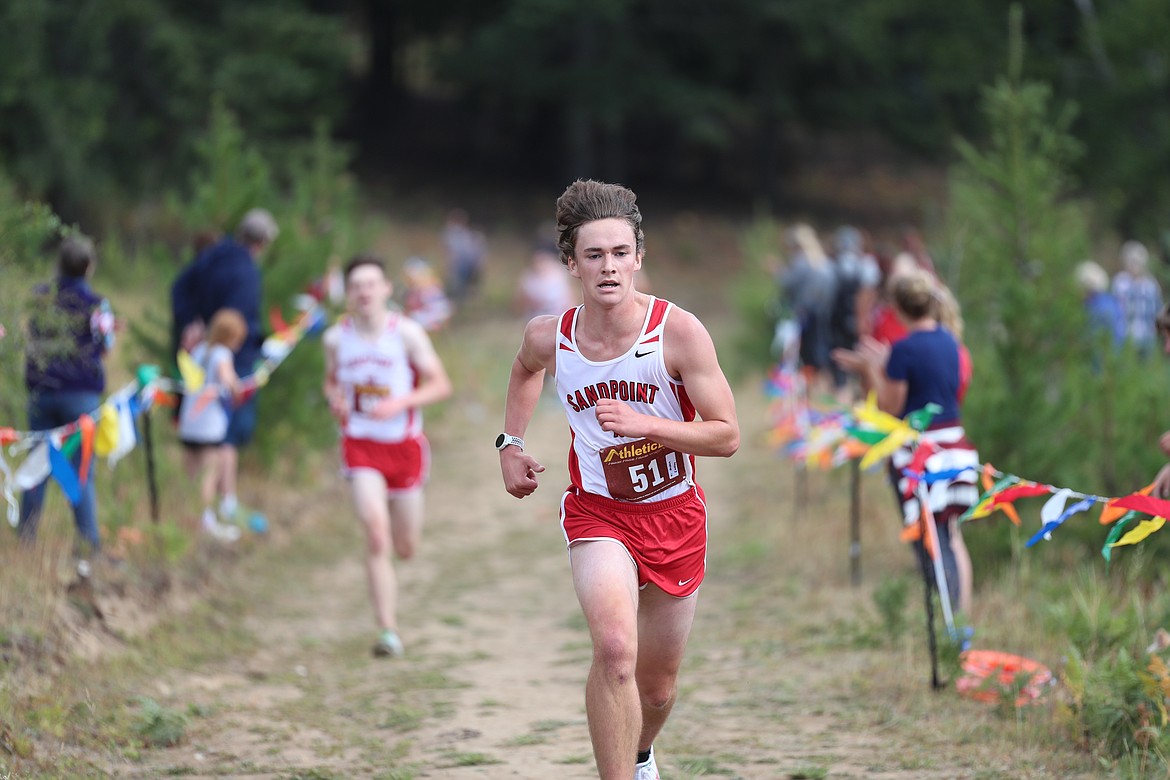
(227, 276)
(425, 301)
(857, 279)
(544, 287)
(809, 285)
(887, 327)
(1106, 319)
(1139, 296)
(950, 317)
(204, 415)
(69, 334)
(465, 254)
(921, 369)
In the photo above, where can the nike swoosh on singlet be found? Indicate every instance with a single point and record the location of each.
(638, 354)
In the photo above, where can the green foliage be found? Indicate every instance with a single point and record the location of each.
(101, 98)
(1037, 394)
(159, 726)
(27, 229)
(1116, 704)
(231, 176)
(755, 298)
(1121, 78)
(890, 599)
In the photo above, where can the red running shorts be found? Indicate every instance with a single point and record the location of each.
(404, 464)
(667, 540)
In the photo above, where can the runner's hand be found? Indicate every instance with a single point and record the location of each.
(617, 417)
(519, 471)
(387, 408)
(1164, 443)
(338, 406)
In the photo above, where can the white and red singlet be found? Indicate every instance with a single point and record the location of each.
(370, 370)
(618, 467)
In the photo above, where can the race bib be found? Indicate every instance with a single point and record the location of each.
(367, 397)
(640, 469)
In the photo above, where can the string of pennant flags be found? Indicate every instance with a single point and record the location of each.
(832, 435)
(111, 431)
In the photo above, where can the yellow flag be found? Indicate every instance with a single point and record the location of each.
(106, 437)
(886, 446)
(1144, 529)
(193, 375)
(876, 418)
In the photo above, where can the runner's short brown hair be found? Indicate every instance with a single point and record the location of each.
(363, 259)
(586, 200)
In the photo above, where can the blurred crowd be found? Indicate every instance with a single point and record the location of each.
(835, 292)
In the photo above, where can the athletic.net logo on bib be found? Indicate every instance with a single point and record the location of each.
(640, 469)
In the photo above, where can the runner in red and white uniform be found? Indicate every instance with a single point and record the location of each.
(644, 394)
(380, 369)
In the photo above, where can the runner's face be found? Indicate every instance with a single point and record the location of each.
(605, 260)
(367, 290)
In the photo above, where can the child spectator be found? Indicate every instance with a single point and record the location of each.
(1139, 295)
(69, 334)
(204, 414)
(425, 301)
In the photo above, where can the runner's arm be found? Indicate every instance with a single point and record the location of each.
(433, 383)
(691, 357)
(536, 355)
(331, 387)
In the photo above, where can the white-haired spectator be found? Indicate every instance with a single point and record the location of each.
(1139, 295)
(1106, 320)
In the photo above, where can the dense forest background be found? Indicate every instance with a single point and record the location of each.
(103, 102)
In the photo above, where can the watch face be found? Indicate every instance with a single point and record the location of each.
(500, 441)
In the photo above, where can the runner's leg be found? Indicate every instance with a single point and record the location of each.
(607, 588)
(664, 623)
(406, 522)
(368, 490)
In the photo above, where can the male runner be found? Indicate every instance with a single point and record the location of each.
(644, 394)
(380, 369)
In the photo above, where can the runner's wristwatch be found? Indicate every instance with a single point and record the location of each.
(504, 439)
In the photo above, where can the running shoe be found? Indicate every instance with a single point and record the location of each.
(222, 532)
(648, 769)
(388, 646)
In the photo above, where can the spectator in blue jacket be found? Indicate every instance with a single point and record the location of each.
(227, 276)
(69, 333)
(1106, 319)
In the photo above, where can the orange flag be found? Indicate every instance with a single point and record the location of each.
(1110, 513)
(87, 431)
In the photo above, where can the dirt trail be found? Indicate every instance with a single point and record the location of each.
(492, 685)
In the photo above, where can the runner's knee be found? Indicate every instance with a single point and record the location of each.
(657, 692)
(615, 654)
(377, 540)
(405, 548)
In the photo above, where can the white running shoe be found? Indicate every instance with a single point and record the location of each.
(647, 770)
(388, 645)
(223, 533)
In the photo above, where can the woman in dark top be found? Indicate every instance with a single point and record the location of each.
(925, 368)
(69, 334)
